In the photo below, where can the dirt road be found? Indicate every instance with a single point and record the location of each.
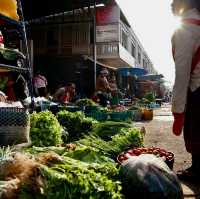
(159, 133)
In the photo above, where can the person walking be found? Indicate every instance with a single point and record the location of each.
(186, 91)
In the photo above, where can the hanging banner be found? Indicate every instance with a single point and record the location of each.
(9, 8)
(108, 14)
(107, 33)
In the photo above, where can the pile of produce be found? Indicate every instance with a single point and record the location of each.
(49, 175)
(168, 157)
(106, 130)
(45, 129)
(85, 168)
(76, 124)
(85, 102)
(127, 137)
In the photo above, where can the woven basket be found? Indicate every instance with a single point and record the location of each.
(14, 126)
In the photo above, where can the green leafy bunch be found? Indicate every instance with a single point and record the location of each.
(76, 124)
(85, 102)
(45, 129)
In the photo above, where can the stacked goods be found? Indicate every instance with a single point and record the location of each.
(45, 129)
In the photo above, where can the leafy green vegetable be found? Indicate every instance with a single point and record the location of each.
(106, 130)
(36, 150)
(45, 129)
(75, 123)
(128, 137)
(76, 179)
(85, 102)
(88, 154)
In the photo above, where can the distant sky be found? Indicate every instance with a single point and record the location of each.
(153, 23)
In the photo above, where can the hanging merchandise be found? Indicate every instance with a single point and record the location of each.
(9, 8)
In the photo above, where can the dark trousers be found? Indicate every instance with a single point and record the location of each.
(192, 123)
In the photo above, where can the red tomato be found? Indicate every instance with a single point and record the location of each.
(127, 155)
(136, 151)
(130, 152)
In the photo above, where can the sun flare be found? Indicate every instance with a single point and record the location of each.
(176, 23)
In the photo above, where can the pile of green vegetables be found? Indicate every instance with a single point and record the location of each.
(85, 102)
(45, 129)
(127, 137)
(84, 173)
(76, 124)
(106, 130)
(87, 172)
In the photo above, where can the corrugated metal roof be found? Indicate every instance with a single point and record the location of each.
(37, 8)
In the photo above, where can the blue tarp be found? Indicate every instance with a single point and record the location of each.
(151, 77)
(132, 71)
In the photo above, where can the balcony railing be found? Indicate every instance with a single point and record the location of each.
(106, 50)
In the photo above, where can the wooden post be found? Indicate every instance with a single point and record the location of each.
(94, 46)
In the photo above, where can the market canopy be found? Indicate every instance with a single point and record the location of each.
(37, 8)
(132, 71)
(151, 77)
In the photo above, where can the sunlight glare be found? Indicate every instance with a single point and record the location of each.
(176, 23)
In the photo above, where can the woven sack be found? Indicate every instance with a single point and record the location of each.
(14, 126)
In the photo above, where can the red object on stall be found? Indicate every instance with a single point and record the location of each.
(1, 38)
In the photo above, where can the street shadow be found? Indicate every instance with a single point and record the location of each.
(193, 187)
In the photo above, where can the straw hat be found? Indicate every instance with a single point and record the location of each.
(104, 71)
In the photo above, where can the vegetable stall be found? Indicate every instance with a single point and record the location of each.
(62, 164)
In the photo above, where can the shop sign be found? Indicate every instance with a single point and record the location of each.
(107, 33)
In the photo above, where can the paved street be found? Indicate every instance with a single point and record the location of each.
(159, 133)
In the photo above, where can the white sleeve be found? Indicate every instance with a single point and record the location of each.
(184, 47)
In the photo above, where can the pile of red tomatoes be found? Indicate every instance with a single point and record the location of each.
(168, 157)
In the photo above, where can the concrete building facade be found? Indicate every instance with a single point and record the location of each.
(65, 42)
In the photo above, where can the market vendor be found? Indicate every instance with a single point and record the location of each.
(65, 94)
(103, 89)
(186, 91)
(114, 91)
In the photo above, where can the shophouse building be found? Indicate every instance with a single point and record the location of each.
(63, 45)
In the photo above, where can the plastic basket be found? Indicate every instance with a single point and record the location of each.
(89, 109)
(71, 108)
(100, 116)
(121, 116)
(137, 115)
(14, 126)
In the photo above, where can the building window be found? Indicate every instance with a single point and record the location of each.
(124, 40)
(133, 49)
(139, 57)
(144, 64)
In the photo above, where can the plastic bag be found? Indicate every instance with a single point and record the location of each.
(148, 177)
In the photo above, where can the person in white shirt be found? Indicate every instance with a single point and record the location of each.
(186, 91)
(40, 85)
